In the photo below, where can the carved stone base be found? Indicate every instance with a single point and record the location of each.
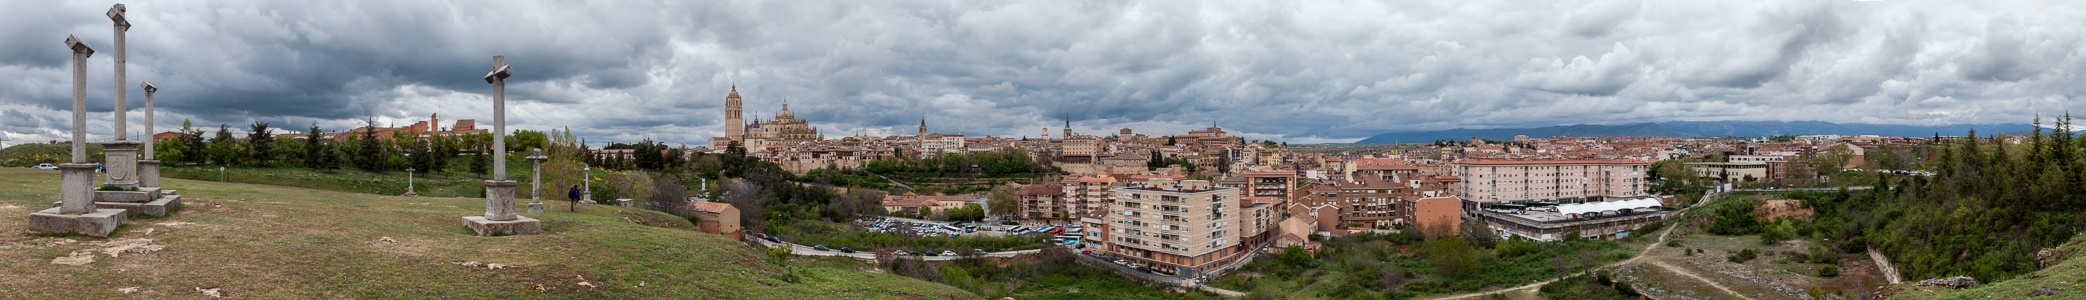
(122, 163)
(520, 225)
(535, 208)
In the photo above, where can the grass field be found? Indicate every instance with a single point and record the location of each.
(258, 241)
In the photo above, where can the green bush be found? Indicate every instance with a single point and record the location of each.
(1673, 243)
(1829, 271)
(1742, 256)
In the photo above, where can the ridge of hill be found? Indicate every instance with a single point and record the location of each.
(260, 241)
(1695, 129)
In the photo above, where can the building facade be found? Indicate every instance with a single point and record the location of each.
(1179, 227)
(1497, 180)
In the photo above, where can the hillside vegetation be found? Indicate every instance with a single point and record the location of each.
(256, 241)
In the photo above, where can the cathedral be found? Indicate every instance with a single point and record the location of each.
(785, 130)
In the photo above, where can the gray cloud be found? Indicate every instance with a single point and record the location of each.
(1308, 72)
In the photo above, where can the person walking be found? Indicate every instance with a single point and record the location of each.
(574, 195)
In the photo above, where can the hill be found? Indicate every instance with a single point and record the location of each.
(31, 154)
(1694, 129)
(258, 241)
(2059, 281)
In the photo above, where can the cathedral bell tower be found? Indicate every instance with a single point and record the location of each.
(734, 124)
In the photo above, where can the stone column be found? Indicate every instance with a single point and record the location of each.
(116, 14)
(75, 212)
(536, 181)
(148, 169)
(499, 218)
(78, 179)
(122, 154)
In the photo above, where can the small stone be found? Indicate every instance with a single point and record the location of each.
(148, 231)
(495, 266)
(128, 290)
(473, 264)
(77, 258)
(386, 240)
(210, 292)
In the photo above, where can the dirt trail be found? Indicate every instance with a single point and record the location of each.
(1890, 272)
(1712, 283)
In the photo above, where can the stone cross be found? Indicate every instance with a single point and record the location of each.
(499, 199)
(536, 159)
(80, 53)
(122, 102)
(499, 218)
(498, 78)
(149, 89)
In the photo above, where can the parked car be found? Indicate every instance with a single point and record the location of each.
(948, 253)
(772, 239)
(900, 253)
(45, 166)
(931, 253)
(847, 250)
(821, 248)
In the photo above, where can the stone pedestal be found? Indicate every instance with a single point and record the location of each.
(499, 200)
(122, 162)
(148, 174)
(520, 225)
(156, 208)
(76, 212)
(499, 218)
(535, 208)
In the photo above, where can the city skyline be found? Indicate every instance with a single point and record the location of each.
(1297, 72)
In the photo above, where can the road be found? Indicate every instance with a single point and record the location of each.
(802, 250)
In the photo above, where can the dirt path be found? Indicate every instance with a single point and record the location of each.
(1712, 283)
(1890, 272)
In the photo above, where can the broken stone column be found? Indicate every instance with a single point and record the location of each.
(148, 169)
(75, 212)
(499, 218)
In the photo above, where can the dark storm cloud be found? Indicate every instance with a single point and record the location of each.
(1297, 71)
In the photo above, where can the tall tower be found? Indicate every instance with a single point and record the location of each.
(1068, 128)
(923, 127)
(734, 125)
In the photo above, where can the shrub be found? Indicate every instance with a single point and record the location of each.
(1829, 271)
(1742, 256)
(1673, 243)
(1515, 248)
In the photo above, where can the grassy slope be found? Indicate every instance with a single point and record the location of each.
(2064, 279)
(275, 242)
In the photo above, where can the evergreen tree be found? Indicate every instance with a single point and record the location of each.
(369, 153)
(313, 147)
(261, 144)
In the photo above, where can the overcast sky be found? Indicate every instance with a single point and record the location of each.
(1299, 71)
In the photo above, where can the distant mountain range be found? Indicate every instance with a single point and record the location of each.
(1696, 129)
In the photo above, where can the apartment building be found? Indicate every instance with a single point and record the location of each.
(1043, 201)
(1087, 194)
(1183, 227)
(1497, 180)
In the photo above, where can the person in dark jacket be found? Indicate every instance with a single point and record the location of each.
(574, 194)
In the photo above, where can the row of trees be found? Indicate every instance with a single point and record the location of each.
(367, 150)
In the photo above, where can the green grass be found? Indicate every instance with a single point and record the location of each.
(1080, 282)
(259, 241)
(1352, 267)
